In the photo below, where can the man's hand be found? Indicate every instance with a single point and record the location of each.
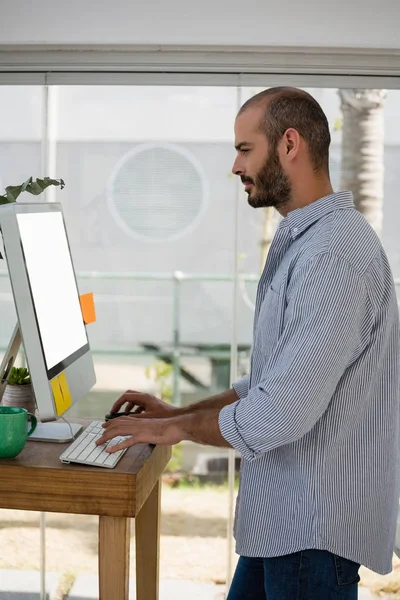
(140, 431)
(201, 427)
(149, 407)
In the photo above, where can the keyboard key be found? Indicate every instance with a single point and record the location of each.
(83, 450)
(113, 458)
(95, 453)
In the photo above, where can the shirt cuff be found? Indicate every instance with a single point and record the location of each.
(229, 430)
(241, 386)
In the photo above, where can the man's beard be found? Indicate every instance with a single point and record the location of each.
(272, 186)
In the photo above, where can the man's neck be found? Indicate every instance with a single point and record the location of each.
(305, 194)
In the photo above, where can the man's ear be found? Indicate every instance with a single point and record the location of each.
(291, 143)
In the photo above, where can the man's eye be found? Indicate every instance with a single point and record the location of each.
(245, 151)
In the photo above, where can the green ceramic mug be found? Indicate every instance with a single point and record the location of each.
(14, 430)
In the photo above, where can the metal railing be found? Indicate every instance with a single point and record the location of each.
(177, 278)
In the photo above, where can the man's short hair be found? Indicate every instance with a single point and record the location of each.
(287, 108)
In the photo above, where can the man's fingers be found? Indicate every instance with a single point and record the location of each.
(114, 428)
(131, 399)
(143, 432)
(125, 444)
(120, 402)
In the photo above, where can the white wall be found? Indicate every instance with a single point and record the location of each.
(338, 23)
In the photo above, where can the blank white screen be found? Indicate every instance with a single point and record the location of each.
(52, 281)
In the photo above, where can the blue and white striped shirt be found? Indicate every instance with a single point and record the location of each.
(317, 420)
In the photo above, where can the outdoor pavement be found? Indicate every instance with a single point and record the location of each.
(25, 585)
(86, 588)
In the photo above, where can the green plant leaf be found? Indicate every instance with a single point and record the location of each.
(33, 187)
(19, 376)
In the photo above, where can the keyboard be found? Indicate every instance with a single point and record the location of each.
(84, 451)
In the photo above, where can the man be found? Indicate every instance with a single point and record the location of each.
(317, 420)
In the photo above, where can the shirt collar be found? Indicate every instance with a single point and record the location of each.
(300, 219)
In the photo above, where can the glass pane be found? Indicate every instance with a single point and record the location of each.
(250, 237)
(150, 206)
(381, 153)
(20, 157)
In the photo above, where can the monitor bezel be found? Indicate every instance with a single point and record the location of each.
(68, 360)
(80, 374)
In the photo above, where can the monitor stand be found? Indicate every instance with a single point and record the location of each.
(55, 432)
(60, 431)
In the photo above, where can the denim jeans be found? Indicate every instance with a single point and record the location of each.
(305, 575)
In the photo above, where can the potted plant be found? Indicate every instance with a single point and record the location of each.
(19, 390)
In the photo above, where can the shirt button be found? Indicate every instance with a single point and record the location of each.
(295, 230)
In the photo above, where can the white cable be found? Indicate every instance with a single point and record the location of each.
(70, 428)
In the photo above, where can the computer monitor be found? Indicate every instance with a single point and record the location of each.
(47, 303)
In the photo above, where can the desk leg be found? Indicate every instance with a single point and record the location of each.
(114, 534)
(147, 535)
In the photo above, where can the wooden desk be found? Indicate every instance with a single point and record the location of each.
(37, 480)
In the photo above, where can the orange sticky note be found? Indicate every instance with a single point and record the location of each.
(62, 380)
(57, 395)
(87, 308)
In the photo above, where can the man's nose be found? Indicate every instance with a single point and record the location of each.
(236, 168)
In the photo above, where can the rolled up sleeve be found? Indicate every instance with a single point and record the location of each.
(241, 386)
(230, 431)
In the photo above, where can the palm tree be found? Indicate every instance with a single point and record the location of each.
(362, 170)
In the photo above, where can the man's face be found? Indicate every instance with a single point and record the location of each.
(258, 165)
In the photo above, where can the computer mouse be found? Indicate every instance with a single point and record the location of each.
(110, 416)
